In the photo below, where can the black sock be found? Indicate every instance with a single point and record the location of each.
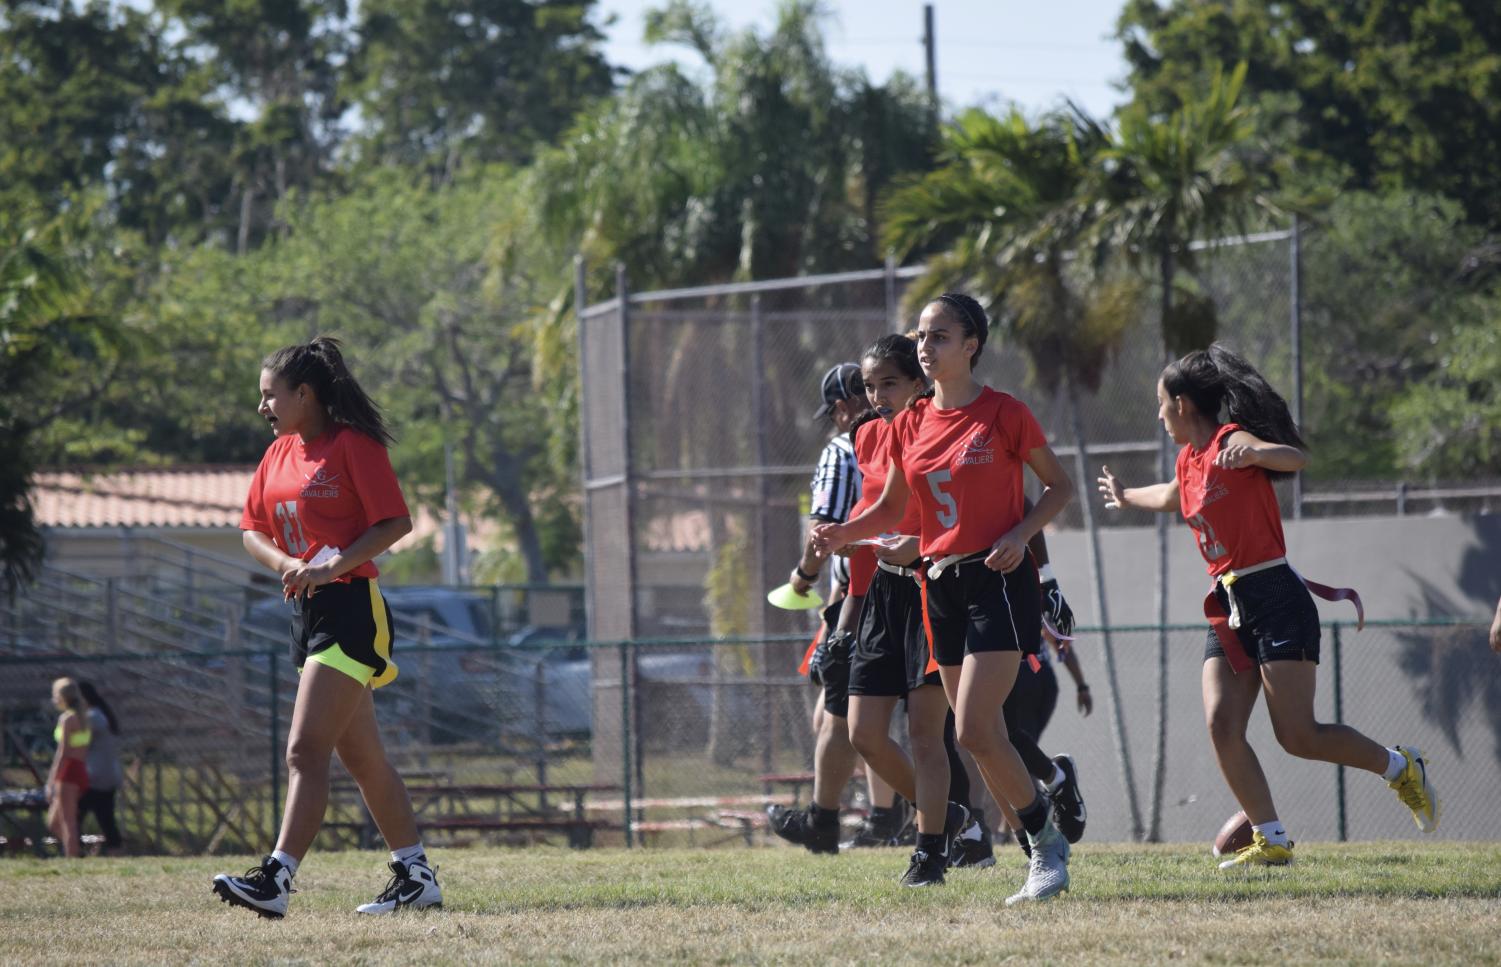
(1035, 816)
(823, 818)
(934, 844)
(1037, 762)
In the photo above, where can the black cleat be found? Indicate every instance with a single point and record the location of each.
(796, 826)
(973, 848)
(1067, 801)
(883, 827)
(925, 869)
(263, 888)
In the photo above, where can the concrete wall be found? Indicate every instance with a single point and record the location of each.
(1438, 688)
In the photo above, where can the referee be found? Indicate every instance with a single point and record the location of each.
(836, 482)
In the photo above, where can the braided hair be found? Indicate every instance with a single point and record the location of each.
(1218, 378)
(320, 364)
(971, 318)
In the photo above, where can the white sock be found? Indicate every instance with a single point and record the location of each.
(972, 831)
(1057, 779)
(285, 859)
(408, 853)
(1395, 763)
(1273, 832)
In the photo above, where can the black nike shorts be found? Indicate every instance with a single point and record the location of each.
(890, 655)
(1278, 619)
(971, 609)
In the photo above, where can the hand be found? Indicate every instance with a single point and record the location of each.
(827, 537)
(1235, 456)
(1006, 553)
(900, 553)
(1056, 608)
(305, 577)
(1496, 631)
(1111, 489)
(1086, 703)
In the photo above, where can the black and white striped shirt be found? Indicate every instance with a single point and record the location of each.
(836, 482)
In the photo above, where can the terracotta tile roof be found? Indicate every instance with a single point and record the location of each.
(201, 496)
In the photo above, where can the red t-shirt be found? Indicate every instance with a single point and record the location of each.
(964, 466)
(328, 491)
(1233, 513)
(873, 452)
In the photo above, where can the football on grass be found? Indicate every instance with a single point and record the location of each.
(1234, 835)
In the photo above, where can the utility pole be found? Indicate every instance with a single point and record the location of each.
(930, 45)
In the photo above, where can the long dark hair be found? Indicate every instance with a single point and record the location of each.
(1218, 378)
(899, 349)
(319, 364)
(92, 696)
(970, 316)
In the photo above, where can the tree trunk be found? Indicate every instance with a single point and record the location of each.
(1102, 610)
(1164, 470)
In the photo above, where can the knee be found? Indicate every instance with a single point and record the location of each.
(1224, 728)
(1297, 738)
(307, 756)
(978, 738)
(866, 738)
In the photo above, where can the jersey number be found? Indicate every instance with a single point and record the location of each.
(948, 510)
(291, 527)
(1209, 544)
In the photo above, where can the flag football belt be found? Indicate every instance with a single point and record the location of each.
(936, 569)
(906, 572)
(1225, 624)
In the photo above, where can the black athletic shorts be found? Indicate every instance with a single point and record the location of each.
(1278, 619)
(1033, 698)
(830, 616)
(971, 608)
(891, 648)
(834, 671)
(347, 626)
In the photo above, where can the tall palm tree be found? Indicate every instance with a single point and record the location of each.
(1161, 183)
(1004, 210)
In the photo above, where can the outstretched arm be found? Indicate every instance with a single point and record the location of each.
(1162, 497)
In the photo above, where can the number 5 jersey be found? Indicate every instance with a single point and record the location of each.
(964, 466)
(323, 493)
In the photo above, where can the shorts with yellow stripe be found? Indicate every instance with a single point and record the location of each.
(345, 625)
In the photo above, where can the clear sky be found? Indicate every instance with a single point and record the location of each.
(989, 51)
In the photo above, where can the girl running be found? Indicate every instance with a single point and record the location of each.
(323, 503)
(69, 778)
(961, 453)
(1264, 627)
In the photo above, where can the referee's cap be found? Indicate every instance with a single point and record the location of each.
(841, 382)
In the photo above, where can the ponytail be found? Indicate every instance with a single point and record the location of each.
(1217, 378)
(95, 700)
(320, 364)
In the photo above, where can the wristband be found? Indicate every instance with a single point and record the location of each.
(798, 570)
(1045, 573)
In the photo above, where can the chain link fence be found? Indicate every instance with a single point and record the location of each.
(501, 745)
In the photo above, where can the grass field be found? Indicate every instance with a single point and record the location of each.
(1387, 902)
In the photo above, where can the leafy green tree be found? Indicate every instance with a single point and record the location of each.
(1005, 208)
(1400, 94)
(448, 81)
(95, 95)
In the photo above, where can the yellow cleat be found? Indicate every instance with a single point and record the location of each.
(1415, 791)
(1260, 853)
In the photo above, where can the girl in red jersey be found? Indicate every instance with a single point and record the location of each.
(960, 454)
(322, 505)
(1264, 627)
(890, 656)
(69, 778)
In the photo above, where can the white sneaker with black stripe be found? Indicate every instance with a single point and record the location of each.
(263, 888)
(413, 886)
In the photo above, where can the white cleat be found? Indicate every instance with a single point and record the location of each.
(413, 886)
